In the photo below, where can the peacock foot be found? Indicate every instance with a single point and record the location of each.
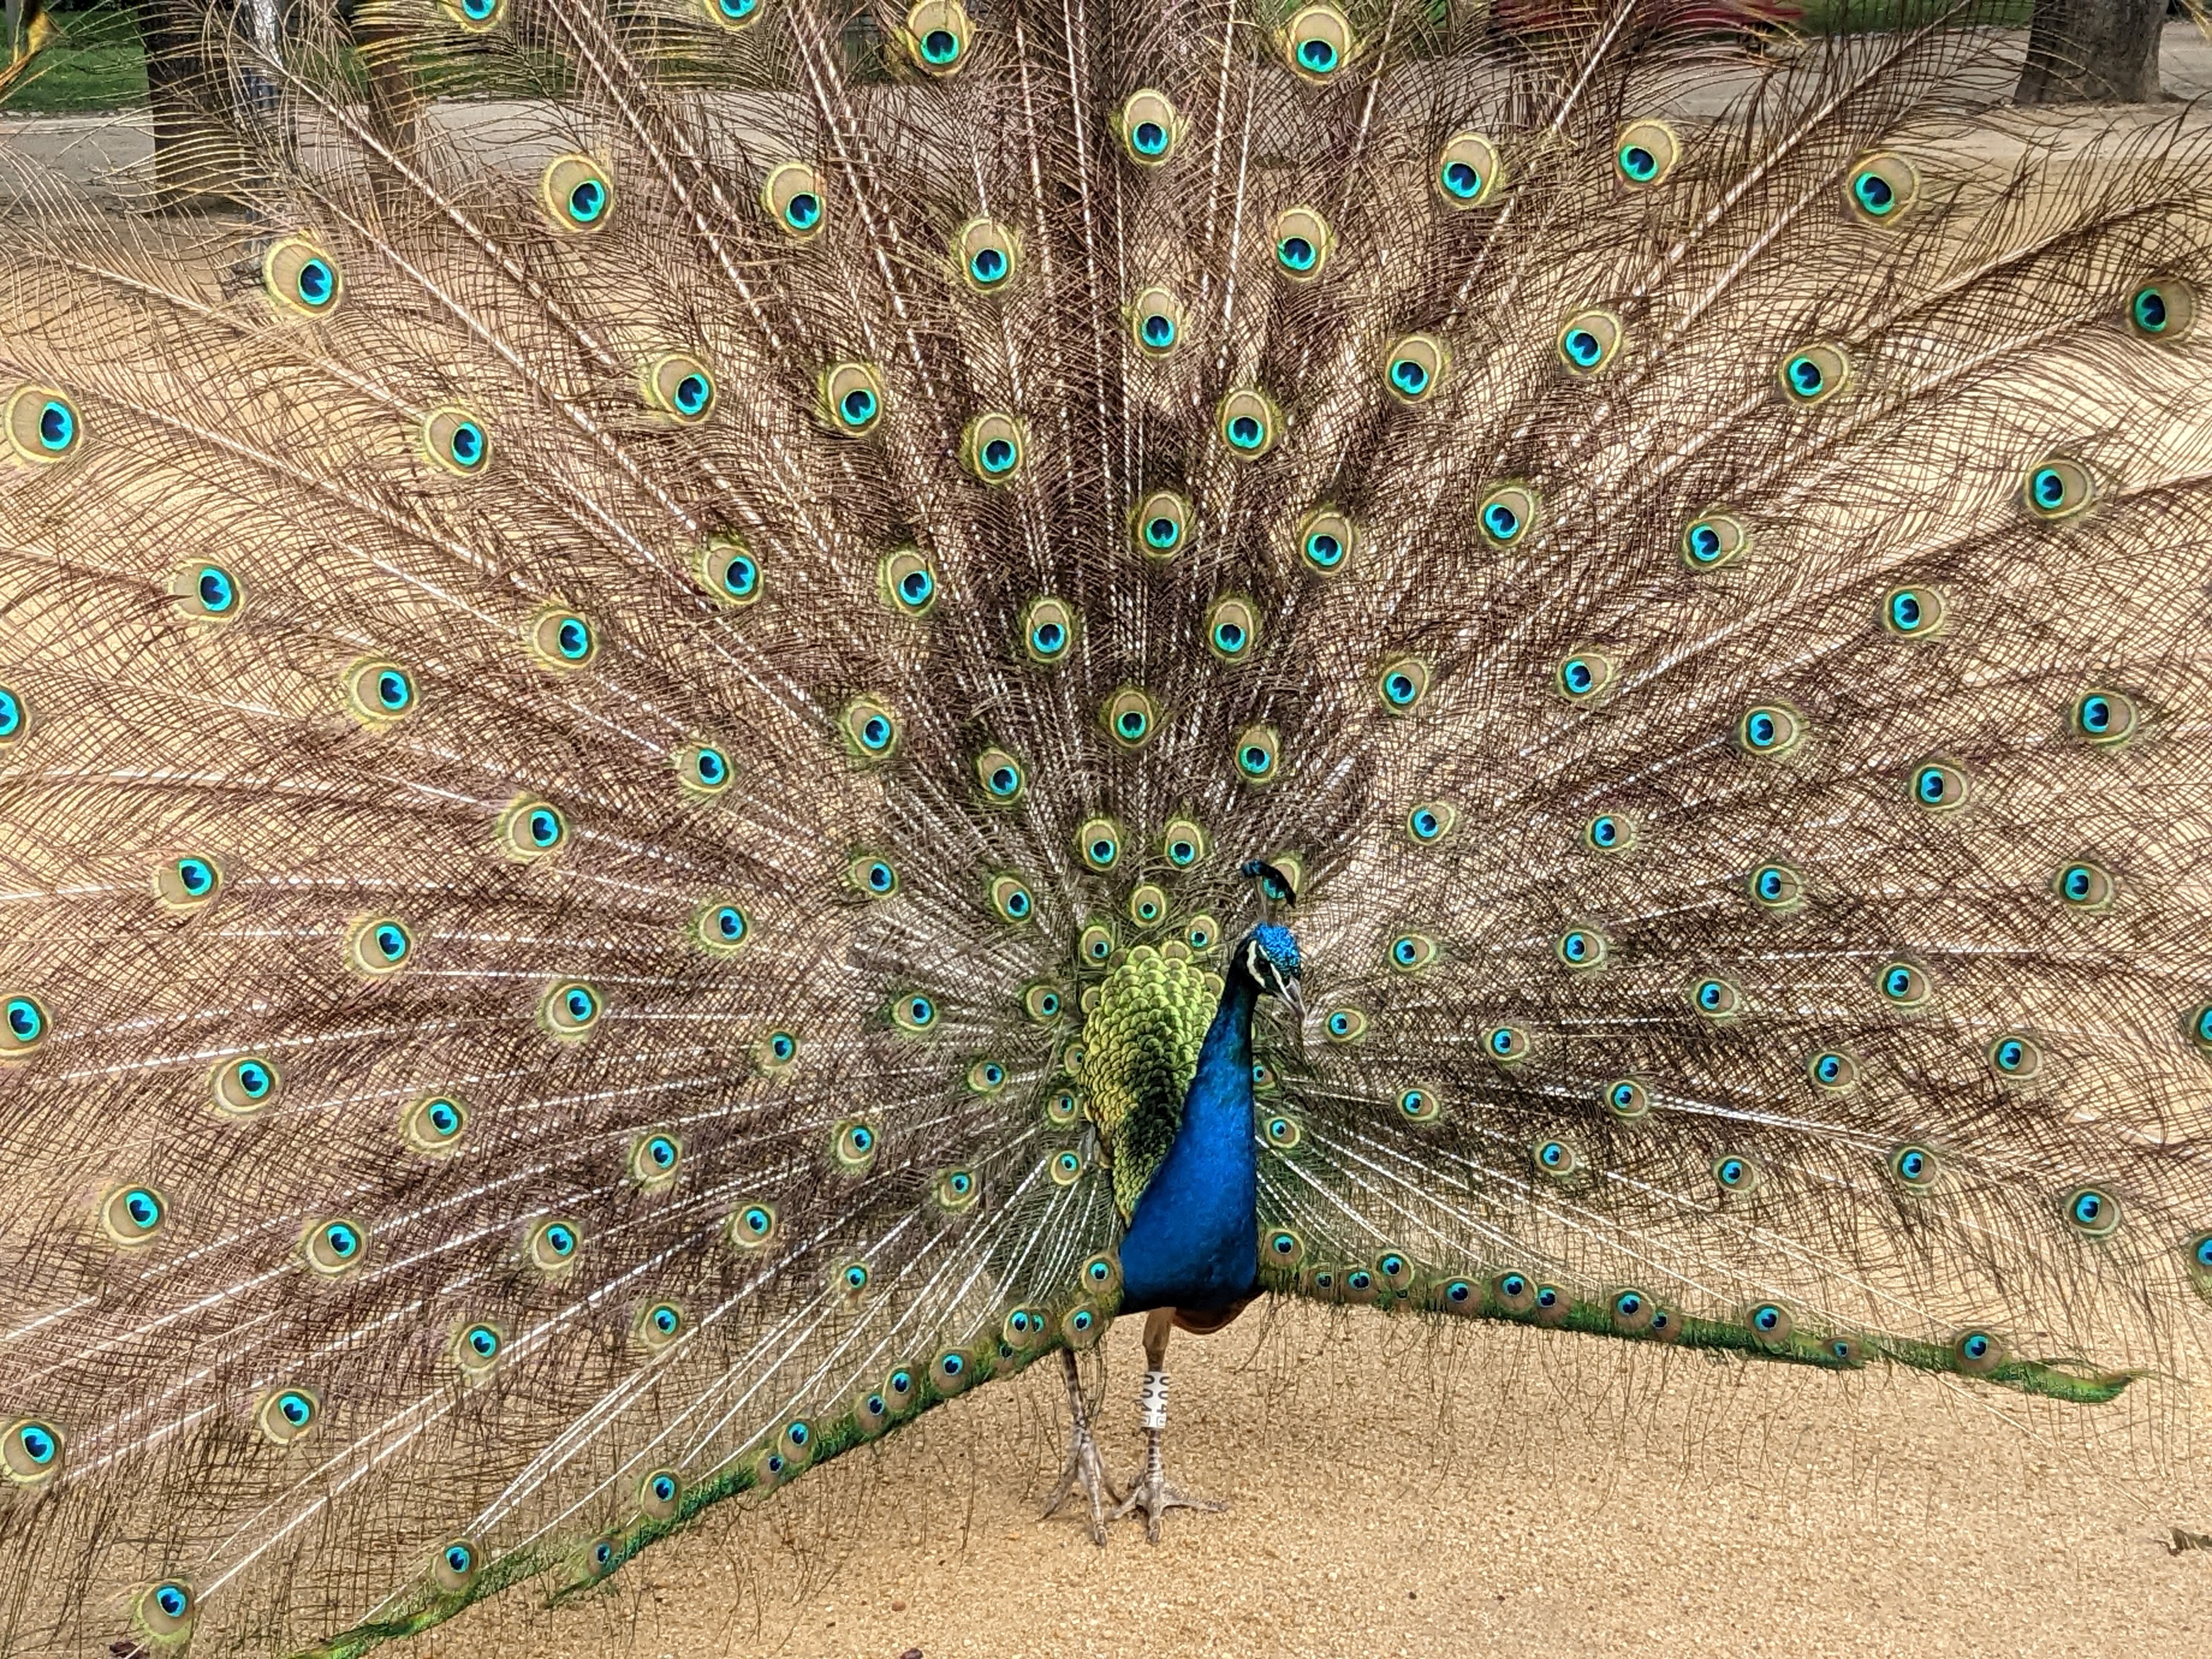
(1153, 1496)
(1086, 1468)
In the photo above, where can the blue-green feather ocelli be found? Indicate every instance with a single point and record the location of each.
(586, 719)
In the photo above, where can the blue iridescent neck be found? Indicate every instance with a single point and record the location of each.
(1192, 1241)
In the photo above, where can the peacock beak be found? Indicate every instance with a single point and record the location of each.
(1294, 995)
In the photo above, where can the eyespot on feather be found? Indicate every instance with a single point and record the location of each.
(1644, 152)
(792, 197)
(1148, 126)
(577, 194)
(301, 278)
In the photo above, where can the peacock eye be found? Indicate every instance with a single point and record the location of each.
(1769, 729)
(433, 1125)
(1232, 629)
(132, 1215)
(1506, 1043)
(992, 448)
(1644, 152)
(1403, 683)
(1939, 787)
(1589, 340)
(1183, 844)
(2084, 886)
(1156, 322)
(1915, 1168)
(2092, 1211)
(166, 1610)
(1717, 999)
(1047, 630)
(872, 729)
(1913, 613)
(1735, 1173)
(1814, 376)
(1258, 751)
(1467, 170)
(1883, 188)
(2016, 1057)
(1582, 676)
(915, 1012)
(1712, 541)
(301, 277)
(1148, 125)
(1776, 887)
(1557, 1158)
(1977, 1352)
(936, 34)
(2104, 717)
(2163, 309)
(1505, 515)
(1325, 539)
(1098, 843)
(1415, 367)
(658, 1493)
(1608, 832)
(1012, 899)
(1249, 421)
(987, 254)
(727, 571)
(1833, 1069)
(333, 1247)
(1628, 1100)
(791, 196)
(1302, 241)
(576, 194)
(1580, 949)
(1345, 1025)
(1412, 951)
(653, 1159)
(378, 946)
(909, 582)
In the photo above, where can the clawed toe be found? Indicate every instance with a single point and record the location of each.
(1152, 1496)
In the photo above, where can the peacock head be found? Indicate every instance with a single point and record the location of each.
(1268, 958)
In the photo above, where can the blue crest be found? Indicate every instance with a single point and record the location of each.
(1278, 946)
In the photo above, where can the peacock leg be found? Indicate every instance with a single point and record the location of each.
(1084, 1467)
(1149, 1490)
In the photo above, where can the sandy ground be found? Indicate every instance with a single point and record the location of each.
(1491, 1491)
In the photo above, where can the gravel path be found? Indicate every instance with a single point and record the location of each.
(1486, 1491)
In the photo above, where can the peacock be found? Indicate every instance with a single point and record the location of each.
(720, 716)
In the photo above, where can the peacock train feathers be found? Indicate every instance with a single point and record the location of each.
(663, 744)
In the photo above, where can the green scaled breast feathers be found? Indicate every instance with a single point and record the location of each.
(1139, 1052)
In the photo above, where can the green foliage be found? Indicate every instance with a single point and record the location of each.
(97, 64)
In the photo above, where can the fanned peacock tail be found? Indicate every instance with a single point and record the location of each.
(591, 699)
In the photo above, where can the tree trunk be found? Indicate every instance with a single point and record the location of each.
(198, 161)
(2101, 50)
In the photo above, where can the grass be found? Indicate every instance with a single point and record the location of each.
(1858, 16)
(97, 64)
